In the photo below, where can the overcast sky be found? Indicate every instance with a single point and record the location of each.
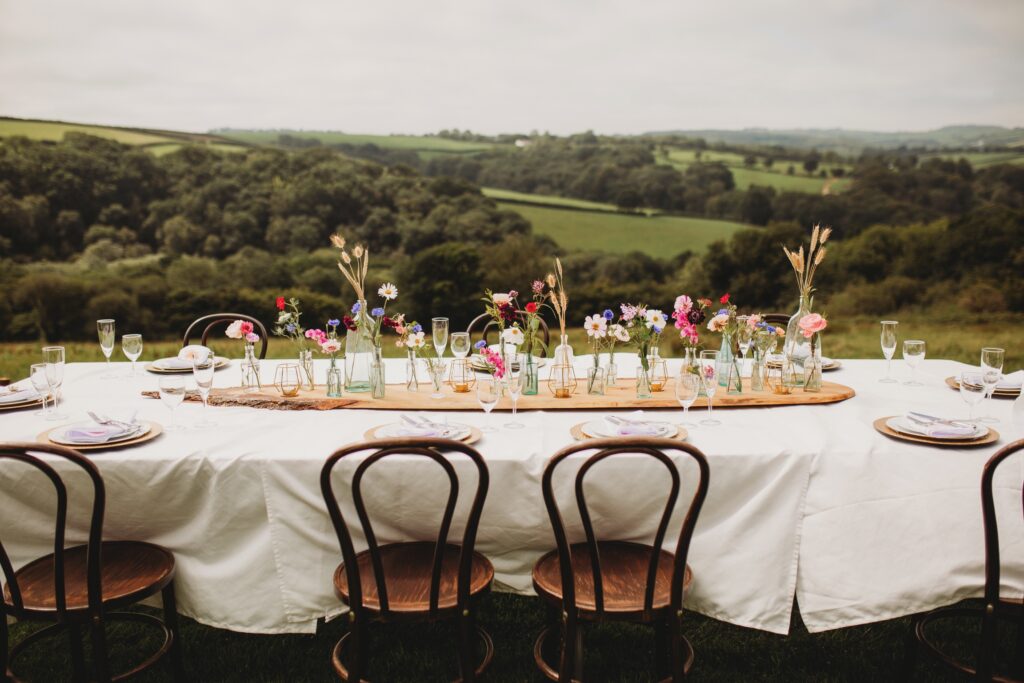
(382, 66)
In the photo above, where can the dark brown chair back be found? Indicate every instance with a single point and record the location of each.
(483, 325)
(607, 448)
(208, 322)
(776, 319)
(436, 450)
(24, 453)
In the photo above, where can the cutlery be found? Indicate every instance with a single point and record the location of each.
(103, 420)
(931, 419)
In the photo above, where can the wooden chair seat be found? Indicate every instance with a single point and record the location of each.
(407, 568)
(624, 570)
(131, 571)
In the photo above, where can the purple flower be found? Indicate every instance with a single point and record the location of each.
(417, 328)
(695, 316)
(657, 330)
(355, 308)
(290, 327)
(723, 311)
(479, 345)
(608, 315)
(538, 286)
(333, 322)
(769, 328)
(377, 312)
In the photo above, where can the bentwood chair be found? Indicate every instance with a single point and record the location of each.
(996, 608)
(208, 322)
(483, 326)
(78, 587)
(776, 319)
(422, 581)
(609, 580)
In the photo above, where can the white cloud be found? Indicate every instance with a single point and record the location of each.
(561, 65)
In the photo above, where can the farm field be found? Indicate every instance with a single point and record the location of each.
(758, 175)
(158, 142)
(499, 194)
(419, 143)
(662, 236)
(983, 159)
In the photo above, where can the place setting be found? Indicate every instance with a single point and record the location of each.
(424, 426)
(102, 432)
(18, 397)
(936, 431)
(183, 362)
(635, 424)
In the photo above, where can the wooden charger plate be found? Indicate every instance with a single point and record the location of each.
(578, 433)
(954, 384)
(219, 363)
(155, 430)
(836, 365)
(883, 428)
(474, 434)
(23, 404)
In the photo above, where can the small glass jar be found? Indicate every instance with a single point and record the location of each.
(251, 370)
(596, 378)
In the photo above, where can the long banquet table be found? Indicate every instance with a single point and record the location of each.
(804, 501)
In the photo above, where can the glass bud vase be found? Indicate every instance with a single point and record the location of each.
(757, 370)
(563, 352)
(812, 365)
(335, 379)
(643, 382)
(306, 376)
(251, 370)
(359, 356)
(378, 381)
(596, 379)
(412, 382)
(657, 370)
(727, 368)
(797, 346)
(611, 370)
(531, 376)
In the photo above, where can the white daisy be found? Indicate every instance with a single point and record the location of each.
(596, 326)
(619, 332)
(655, 318)
(416, 340)
(513, 335)
(388, 291)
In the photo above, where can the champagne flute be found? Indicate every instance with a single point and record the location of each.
(513, 383)
(913, 354)
(202, 373)
(41, 383)
(460, 344)
(972, 391)
(709, 375)
(172, 393)
(439, 335)
(487, 393)
(105, 328)
(687, 390)
(888, 348)
(131, 344)
(744, 336)
(53, 356)
(991, 372)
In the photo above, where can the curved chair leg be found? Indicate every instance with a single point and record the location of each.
(171, 620)
(680, 650)
(466, 649)
(99, 650)
(570, 664)
(360, 635)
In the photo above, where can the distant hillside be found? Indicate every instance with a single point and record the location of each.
(851, 141)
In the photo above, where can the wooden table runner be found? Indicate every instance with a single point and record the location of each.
(617, 398)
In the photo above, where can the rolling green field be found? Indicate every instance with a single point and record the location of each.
(983, 159)
(661, 236)
(511, 196)
(419, 143)
(758, 175)
(156, 141)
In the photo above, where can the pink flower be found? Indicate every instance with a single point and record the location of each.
(811, 324)
(252, 337)
(688, 333)
(330, 346)
(754, 320)
(628, 311)
(537, 287)
(683, 304)
(246, 327)
(494, 359)
(717, 324)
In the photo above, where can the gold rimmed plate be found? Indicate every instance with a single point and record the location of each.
(954, 384)
(219, 363)
(579, 433)
(19, 405)
(155, 430)
(833, 364)
(881, 425)
(378, 432)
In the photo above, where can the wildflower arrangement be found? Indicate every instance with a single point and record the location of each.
(490, 360)
(242, 329)
(501, 306)
(688, 314)
(288, 325)
(724, 320)
(643, 328)
(804, 267)
(378, 320)
(558, 300)
(353, 266)
(410, 336)
(532, 317)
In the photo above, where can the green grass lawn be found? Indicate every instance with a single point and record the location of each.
(412, 142)
(775, 177)
(661, 236)
(983, 159)
(54, 132)
(499, 194)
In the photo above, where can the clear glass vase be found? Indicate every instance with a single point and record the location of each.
(596, 378)
(812, 365)
(657, 371)
(335, 379)
(251, 370)
(306, 376)
(797, 347)
(563, 352)
(643, 383)
(757, 370)
(412, 382)
(611, 370)
(378, 380)
(531, 376)
(727, 368)
(359, 353)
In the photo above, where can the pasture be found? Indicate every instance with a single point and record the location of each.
(417, 143)
(775, 177)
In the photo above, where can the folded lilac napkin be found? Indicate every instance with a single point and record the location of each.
(89, 434)
(938, 430)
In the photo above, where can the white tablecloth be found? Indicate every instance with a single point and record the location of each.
(806, 501)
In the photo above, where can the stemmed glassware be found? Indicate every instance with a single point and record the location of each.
(460, 344)
(514, 386)
(709, 375)
(888, 348)
(991, 372)
(172, 393)
(487, 393)
(53, 356)
(202, 373)
(440, 335)
(131, 344)
(687, 391)
(913, 354)
(972, 391)
(41, 383)
(744, 336)
(105, 329)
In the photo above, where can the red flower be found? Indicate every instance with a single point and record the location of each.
(349, 323)
(246, 327)
(531, 307)
(724, 299)
(390, 323)
(280, 303)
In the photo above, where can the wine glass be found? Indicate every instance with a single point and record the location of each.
(41, 383)
(131, 344)
(487, 393)
(744, 336)
(888, 348)
(514, 385)
(460, 344)
(972, 391)
(202, 373)
(709, 375)
(172, 393)
(687, 391)
(440, 335)
(991, 372)
(913, 354)
(53, 356)
(105, 328)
